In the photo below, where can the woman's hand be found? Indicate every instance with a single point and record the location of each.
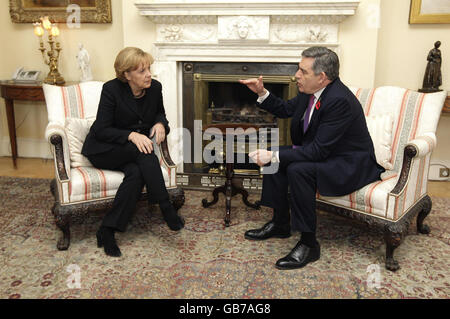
(142, 142)
(160, 132)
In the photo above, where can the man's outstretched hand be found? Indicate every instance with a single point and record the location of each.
(255, 84)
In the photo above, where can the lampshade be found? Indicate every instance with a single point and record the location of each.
(54, 31)
(46, 23)
(38, 30)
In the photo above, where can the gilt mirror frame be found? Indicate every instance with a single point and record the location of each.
(29, 11)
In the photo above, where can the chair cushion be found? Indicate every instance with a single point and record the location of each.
(76, 131)
(371, 199)
(88, 183)
(380, 129)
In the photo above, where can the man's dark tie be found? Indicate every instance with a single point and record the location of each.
(308, 111)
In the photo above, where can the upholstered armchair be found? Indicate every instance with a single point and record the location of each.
(78, 187)
(402, 124)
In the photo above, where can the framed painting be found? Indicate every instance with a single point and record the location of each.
(429, 11)
(90, 11)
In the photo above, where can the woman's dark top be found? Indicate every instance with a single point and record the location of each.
(119, 114)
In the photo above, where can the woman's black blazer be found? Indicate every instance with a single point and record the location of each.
(118, 115)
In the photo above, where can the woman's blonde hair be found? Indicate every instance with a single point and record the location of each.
(129, 59)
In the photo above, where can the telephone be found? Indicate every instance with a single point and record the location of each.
(22, 76)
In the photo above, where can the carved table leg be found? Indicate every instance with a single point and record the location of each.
(12, 129)
(229, 192)
(228, 210)
(216, 192)
(244, 194)
(426, 208)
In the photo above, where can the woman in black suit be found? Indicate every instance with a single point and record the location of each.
(130, 112)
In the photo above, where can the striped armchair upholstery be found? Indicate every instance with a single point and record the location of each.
(402, 190)
(78, 186)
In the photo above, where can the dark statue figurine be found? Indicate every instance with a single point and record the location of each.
(433, 76)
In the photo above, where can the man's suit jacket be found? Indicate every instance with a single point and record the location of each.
(118, 115)
(337, 139)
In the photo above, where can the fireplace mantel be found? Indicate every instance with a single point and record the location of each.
(289, 10)
(243, 30)
(260, 31)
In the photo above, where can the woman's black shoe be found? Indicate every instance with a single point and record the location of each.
(170, 215)
(105, 237)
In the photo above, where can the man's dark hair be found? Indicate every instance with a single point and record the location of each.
(325, 60)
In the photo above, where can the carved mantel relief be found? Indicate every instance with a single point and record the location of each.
(247, 22)
(186, 33)
(243, 28)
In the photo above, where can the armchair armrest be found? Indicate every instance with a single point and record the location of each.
(424, 144)
(409, 153)
(56, 136)
(162, 151)
(417, 148)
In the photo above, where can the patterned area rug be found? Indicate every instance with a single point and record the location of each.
(205, 259)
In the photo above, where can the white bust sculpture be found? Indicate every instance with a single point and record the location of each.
(83, 64)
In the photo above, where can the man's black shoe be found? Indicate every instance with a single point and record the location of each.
(299, 257)
(269, 230)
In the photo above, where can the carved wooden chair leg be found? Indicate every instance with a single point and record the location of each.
(63, 223)
(426, 208)
(53, 188)
(393, 239)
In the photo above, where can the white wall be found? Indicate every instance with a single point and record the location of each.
(402, 58)
(359, 40)
(102, 41)
(393, 54)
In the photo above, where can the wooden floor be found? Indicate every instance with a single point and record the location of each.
(27, 167)
(43, 168)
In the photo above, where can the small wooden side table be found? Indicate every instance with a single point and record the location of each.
(11, 91)
(229, 189)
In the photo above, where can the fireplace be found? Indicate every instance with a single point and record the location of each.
(213, 95)
(203, 47)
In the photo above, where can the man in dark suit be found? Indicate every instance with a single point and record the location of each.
(332, 153)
